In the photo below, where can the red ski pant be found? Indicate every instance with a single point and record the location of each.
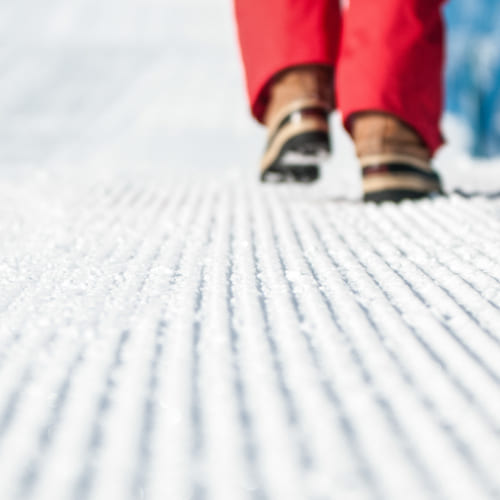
(387, 55)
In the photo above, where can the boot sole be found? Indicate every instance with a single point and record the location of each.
(311, 146)
(398, 182)
(397, 195)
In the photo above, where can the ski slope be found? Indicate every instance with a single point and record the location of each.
(170, 329)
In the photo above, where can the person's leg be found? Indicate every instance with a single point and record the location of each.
(278, 34)
(391, 63)
(289, 49)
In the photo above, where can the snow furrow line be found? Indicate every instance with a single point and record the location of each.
(393, 341)
(469, 331)
(317, 263)
(289, 261)
(418, 323)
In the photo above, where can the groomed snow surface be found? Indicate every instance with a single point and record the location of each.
(172, 330)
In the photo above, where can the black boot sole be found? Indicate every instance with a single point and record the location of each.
(427, 183)
(307, 144)
(397, 195)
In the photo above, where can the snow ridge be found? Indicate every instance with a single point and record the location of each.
(221, 341)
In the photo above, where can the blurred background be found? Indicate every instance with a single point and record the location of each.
(473, 72)
(156, 85)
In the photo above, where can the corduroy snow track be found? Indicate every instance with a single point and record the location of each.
(220, 341)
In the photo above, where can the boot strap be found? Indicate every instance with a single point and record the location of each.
(385, 158)
(297, 105)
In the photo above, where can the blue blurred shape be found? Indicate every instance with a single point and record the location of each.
(473, 70)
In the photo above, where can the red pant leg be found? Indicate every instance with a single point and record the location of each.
(391, 59)
(277, 34)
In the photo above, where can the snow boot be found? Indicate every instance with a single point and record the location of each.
(395, 162)
(300, 100)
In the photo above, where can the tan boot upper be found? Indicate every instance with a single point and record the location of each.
(296, 87)
(380, 138)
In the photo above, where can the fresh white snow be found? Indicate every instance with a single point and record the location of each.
(170, 329)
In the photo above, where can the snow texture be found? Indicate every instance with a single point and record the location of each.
(169, 329)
